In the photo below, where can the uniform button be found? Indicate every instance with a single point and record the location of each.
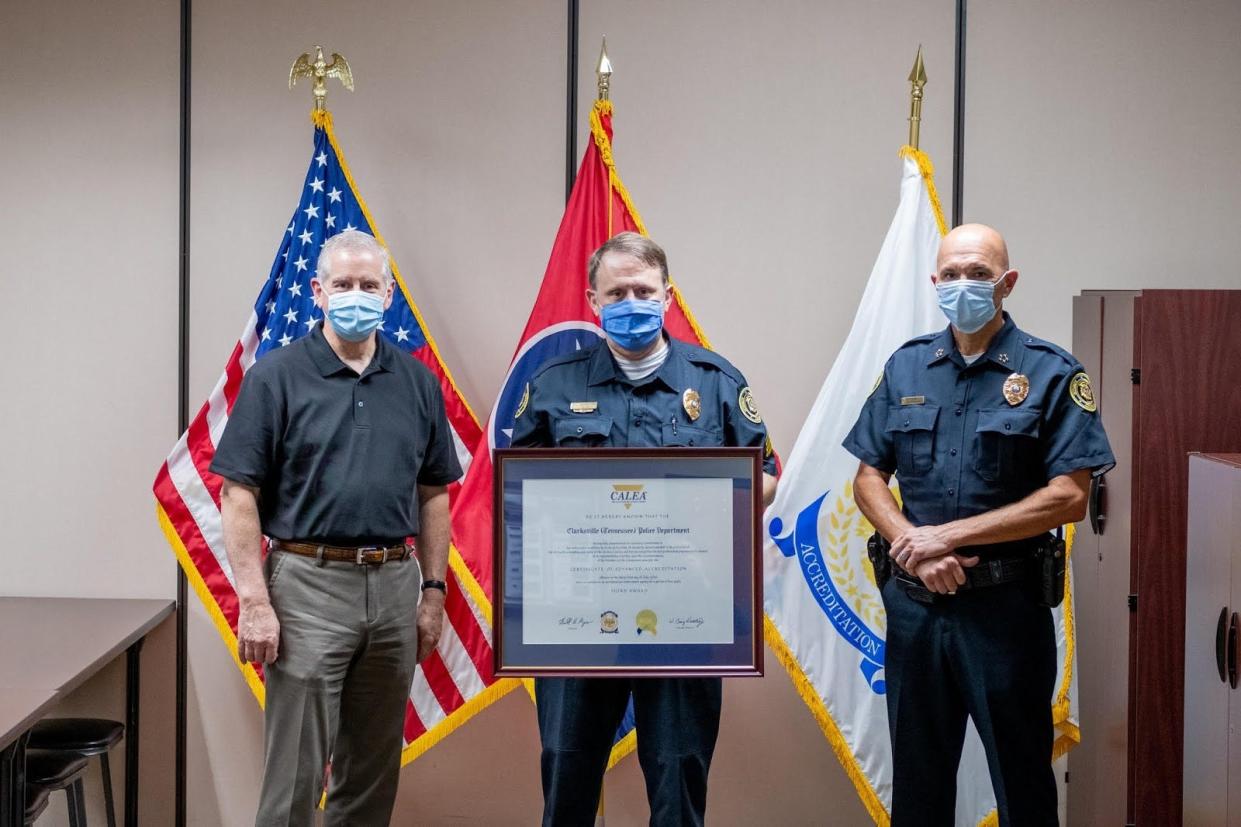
(359, 404)
(958, 412)
(1007, 426)
(953, 452)
(579, 429)
(906, 423)
(638, 422)
(951, 491)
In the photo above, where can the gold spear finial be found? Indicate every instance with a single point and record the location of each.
(320, 70)
(603, 70)
(917, 79)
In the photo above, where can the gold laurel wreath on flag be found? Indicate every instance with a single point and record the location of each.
(848, 522)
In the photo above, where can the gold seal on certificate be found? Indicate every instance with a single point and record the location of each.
(658, 546)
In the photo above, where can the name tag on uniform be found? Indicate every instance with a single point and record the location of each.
(913, 400)
(583, 407)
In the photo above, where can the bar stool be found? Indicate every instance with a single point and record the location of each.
(86, 737)
(36, 803)
(53, 770)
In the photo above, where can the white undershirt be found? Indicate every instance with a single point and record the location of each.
(635, 369)
(969, 360)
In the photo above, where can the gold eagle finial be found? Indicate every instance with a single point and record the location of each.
(320, 70)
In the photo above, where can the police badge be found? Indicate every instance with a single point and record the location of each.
(1016, 388)
(692, 403)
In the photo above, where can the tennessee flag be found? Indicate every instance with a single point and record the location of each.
(825, 617)
(561, 322)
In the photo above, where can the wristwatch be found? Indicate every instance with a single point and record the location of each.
(435, 584)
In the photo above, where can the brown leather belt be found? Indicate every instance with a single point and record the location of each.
(362, 555)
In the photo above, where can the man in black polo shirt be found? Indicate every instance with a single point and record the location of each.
(338, 449)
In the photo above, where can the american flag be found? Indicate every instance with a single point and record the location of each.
(457, 679)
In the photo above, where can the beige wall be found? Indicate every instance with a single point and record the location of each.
(759, 142)
(1103, 137)
(88, 165)
(88, 129)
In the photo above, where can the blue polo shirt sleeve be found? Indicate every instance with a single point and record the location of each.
(869, 439)
(743, 424)
(1073, 438)
(439, 462)
(248, 447)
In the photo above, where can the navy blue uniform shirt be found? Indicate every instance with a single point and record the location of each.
(583, 399)
(958, 443)
(337, 456)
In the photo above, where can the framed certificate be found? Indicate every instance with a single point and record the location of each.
(628, 562)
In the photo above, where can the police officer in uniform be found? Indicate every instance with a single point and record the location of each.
(994, 437)
(640, 388)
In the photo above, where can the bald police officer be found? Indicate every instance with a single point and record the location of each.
(641, 388)
(994, 438)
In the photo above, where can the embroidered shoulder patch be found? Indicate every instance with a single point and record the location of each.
(1082, 393)
(748, 407)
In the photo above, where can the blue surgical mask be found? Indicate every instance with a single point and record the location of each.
(356, 314)
(968, 303)
(633, 324)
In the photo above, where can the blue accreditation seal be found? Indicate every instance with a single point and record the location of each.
(820, 564)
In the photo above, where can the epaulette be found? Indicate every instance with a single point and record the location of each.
(701, 356)
(1042, 344)
(564, 359)
(921, 340)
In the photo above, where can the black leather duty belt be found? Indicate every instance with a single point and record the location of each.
(987, 573)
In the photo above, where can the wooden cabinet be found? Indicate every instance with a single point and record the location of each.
(1166, 366)
(1212, 776)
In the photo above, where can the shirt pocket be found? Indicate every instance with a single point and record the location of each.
(1007, 443)
(690, 436)
(581, 431)
(912, 430)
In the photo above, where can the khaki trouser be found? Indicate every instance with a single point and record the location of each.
(338, 689)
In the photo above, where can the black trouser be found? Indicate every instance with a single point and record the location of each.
(989, 654)
(677, 719)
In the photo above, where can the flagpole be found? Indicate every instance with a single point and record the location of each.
(917, 80)
(603, 72)
(570, 155)
(183, 409)
(603, 86)
(958, 120)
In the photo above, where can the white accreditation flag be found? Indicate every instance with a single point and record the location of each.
(825, 616)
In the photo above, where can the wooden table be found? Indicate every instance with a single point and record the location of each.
(51, 646)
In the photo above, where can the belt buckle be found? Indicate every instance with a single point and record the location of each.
(362, 550)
